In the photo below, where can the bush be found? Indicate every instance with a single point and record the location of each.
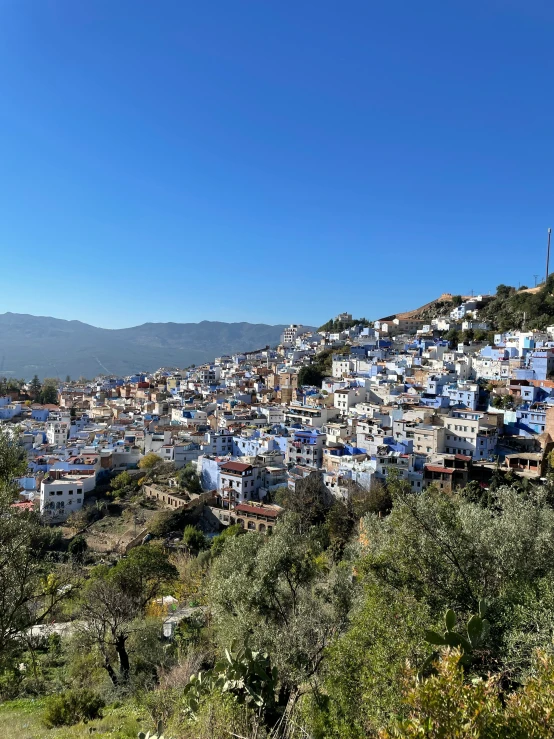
(194, 539)
(218, 542)
(77, 547)
(71, 707)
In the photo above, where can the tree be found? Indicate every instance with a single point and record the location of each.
(277, 594)
(24, 567)
(143, 571)
(13, 461)
(504, 291)
(375, 500)
(194, 539)
(341, 522)
(310, 375)
(49, 391)
(363, 675)
(35, 387)
(108, 615)
(149, 461)
(218, 542)
(310, 499)
(114, 602)
(453, 337)
(453, 552)
(189, 479)
(457, 300)
(121, 483)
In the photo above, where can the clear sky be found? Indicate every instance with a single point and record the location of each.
(270, 160)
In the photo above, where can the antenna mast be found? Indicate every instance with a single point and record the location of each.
(548, 253)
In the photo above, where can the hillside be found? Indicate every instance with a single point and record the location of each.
(49, 347)
(529, 308)
(509, 308)
(442, 306)
(432, 309)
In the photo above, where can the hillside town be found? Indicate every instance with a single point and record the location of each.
(343, 408)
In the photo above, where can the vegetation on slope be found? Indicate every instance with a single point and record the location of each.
(517, 309)
(331, 628)
(335, 326)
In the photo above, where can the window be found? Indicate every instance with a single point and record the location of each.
(70, 492)
(59, 492)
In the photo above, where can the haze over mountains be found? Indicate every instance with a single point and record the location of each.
(52, 347)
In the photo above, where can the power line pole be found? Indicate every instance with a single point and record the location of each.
(535, 276)
(548, 252)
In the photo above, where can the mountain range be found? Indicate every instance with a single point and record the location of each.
(53, 347)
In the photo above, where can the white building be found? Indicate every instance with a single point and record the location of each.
(464, 393)
(218, 443)
(57, 432)
(62, 493)
(342, 365)
(467, 433)
(309, 416)
(239, 482)
(462, 310)
(348, 397)
(290, 334)
(275, 414)
(209, 375)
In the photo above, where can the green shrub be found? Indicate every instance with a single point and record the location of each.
(71, 707)
(78, 546)
(194, 539)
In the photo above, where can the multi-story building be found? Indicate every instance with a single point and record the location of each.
(290, 334)
(218, 443)
(462, 393)
(309, 416)
(428, 439)
(239, 482)
(305, 448)
(62, 493)
(469, 434)
(348, 397)
(57, 432)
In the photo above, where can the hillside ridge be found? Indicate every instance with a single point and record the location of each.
(55, 347)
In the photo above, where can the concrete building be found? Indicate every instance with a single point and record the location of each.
(63, 493)
(428, 439)
(291, 333)
(470, 435)
(305, 448)
(239, 482)
(57, 433)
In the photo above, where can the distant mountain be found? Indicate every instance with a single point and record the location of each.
(51, 347)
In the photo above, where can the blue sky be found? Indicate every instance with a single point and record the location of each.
(270, 161)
